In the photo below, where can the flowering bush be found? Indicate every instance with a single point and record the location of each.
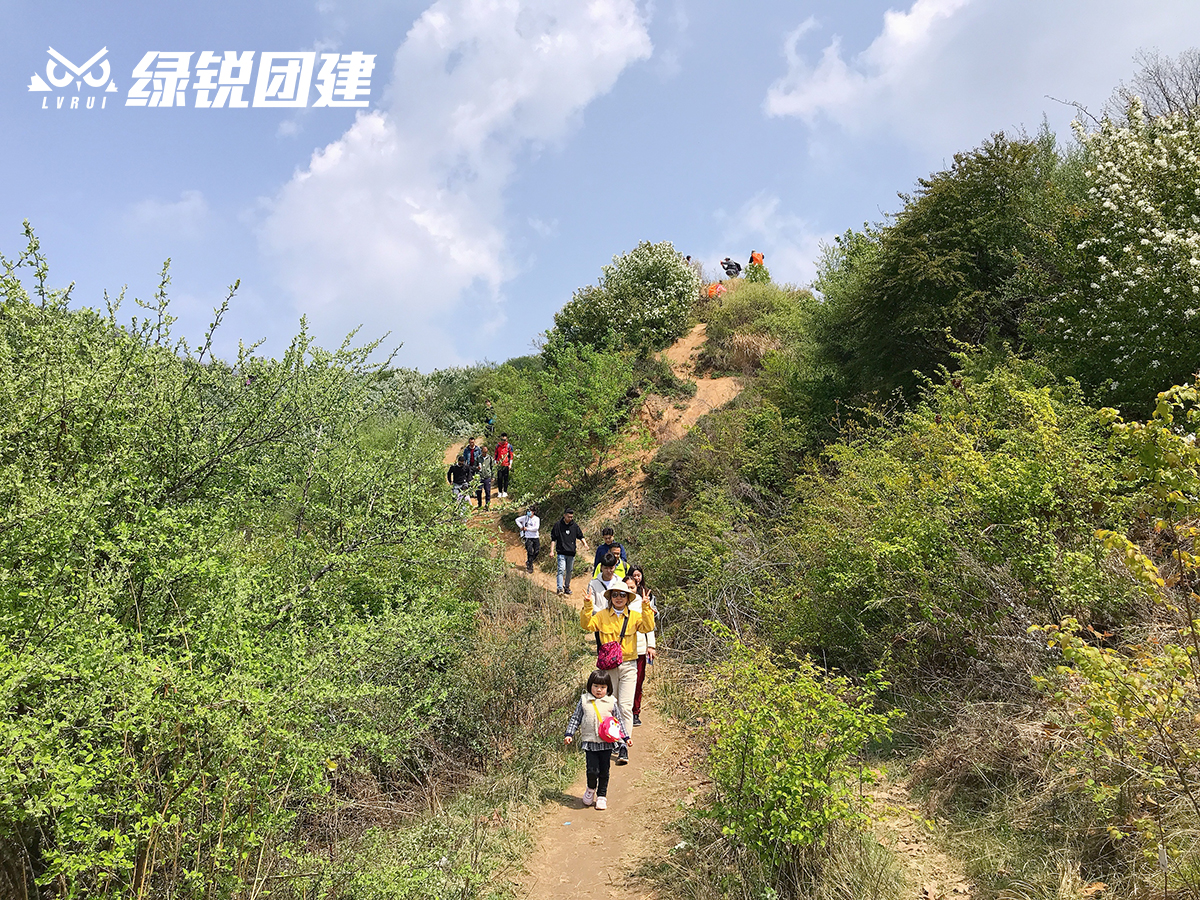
(644, 299)
(1124, 316)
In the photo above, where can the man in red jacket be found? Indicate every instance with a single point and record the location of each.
(504, 460)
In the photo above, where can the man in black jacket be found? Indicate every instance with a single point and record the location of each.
(565, 533)
(459, 477)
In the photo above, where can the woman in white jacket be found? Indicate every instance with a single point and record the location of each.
(647, 644)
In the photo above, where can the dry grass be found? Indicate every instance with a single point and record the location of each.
(745, 352)
(988, 749)
(710, 866)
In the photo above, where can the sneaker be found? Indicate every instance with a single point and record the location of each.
(601, 803)
(637, 720)
(529, 569)
(589, 797)
(567, 592)
(623, 756)
(559, 592)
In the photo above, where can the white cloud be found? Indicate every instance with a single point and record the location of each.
(790, 244)
(183, 218)
(542, 228)
(840, 89)
(399, 223)
(945, 74)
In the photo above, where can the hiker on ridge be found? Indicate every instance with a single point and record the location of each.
(732, 268)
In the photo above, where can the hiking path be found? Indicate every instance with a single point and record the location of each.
(584, 853)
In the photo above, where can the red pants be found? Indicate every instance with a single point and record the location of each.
(637, 692)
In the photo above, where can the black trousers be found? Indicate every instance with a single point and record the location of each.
(502, 473)
(598, 764)
(533, 546)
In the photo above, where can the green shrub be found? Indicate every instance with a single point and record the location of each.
(755, 320)
(943, 265)
(219, 586)
(563, 418)
(784, 742)
(757, 273)
(911, 544)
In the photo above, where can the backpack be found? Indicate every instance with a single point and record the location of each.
(607, 727)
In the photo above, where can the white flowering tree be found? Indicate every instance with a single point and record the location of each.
(645, 299)
(1124, 310)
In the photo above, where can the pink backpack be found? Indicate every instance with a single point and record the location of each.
(608, 727)
(609, 655)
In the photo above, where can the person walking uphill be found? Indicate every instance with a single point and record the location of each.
(565, 533)
(595, 713)
(620, 625)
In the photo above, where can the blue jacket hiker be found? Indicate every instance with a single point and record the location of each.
(594, 708)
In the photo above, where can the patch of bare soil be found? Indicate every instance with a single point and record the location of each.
(901, 826)
(667, 420)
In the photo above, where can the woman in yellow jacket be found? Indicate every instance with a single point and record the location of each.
(609, 624)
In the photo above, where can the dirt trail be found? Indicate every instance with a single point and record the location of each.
(582, 852)
(901, 826)
(666, 420)
(585, 853)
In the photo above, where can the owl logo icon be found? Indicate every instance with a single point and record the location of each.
(60, 72)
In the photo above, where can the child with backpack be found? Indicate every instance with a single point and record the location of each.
(598, 720)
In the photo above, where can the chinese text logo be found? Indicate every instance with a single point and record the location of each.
(224, 80)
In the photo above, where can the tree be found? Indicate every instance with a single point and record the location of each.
(563, 418)
(644, 301)
(1123, 311)
(942, 266)
(1164, 85)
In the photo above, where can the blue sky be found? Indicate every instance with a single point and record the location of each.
(512, 148)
